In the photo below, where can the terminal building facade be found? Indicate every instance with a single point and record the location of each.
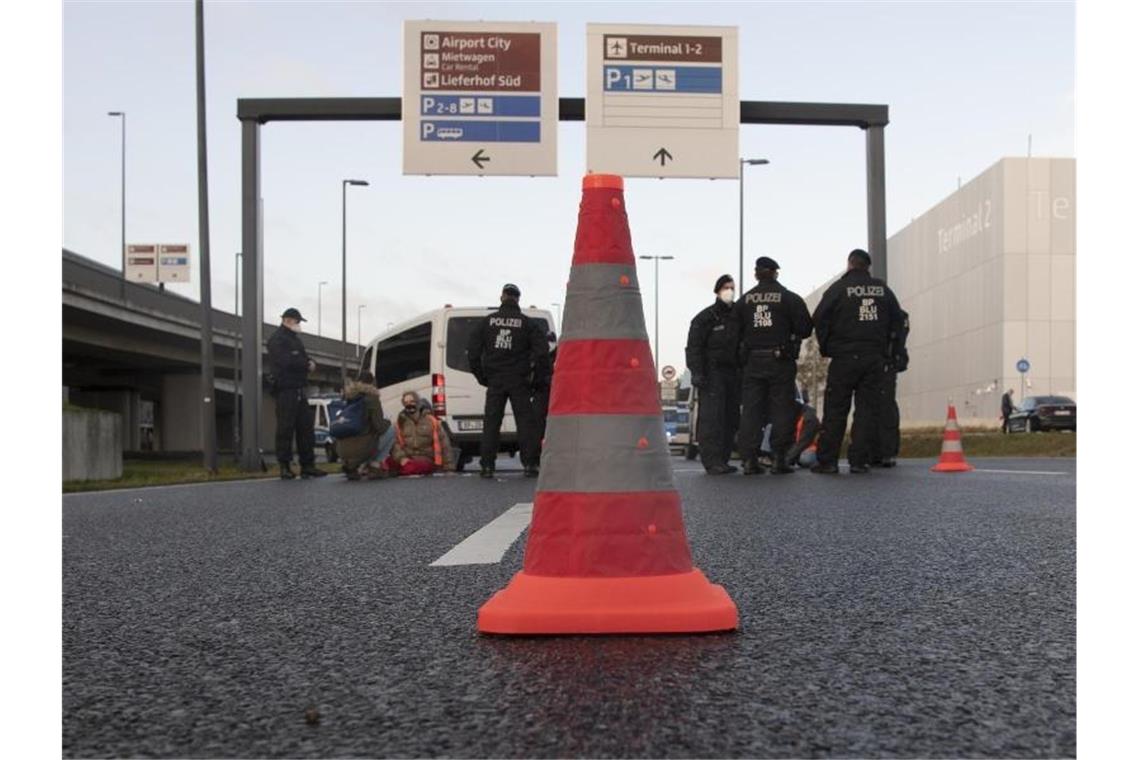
(988, 278)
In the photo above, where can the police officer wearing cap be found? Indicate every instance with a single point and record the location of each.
(290, 366)
(710, 354)
(854, 322)
(773, 321)
(508, 353)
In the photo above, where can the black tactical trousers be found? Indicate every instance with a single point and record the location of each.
(861, 377)
(540, 402)
(769, 391)
(294, 419)
(499, 391)
(886, 430)
(718, 415)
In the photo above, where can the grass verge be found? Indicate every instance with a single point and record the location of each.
(139, 473)
(988, 443)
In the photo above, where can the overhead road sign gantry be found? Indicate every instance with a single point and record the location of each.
(481, 98)
(662, 101)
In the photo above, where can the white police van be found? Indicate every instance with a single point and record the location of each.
(428, 355)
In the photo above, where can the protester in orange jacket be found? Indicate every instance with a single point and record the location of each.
(422, 446)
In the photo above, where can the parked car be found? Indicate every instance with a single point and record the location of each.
(320, 406)
(428, 354)
(1044, 413)
(676, 427)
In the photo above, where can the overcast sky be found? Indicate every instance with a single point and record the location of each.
(966, 84)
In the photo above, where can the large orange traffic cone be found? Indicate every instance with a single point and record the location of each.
(952, 458)
(607, 551)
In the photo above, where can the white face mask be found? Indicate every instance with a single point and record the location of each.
(728, 295)
(295, 327)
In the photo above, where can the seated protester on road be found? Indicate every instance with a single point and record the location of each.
(806, 438)
(421, 442)
(364, 454)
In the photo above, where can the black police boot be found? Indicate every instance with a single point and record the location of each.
(781, 464)
(721, 469)
(860, 469)
(311, 471)
(752, 467)
(531, 471)
(825, 469)
(287, 472)
(486, 472)
(888, 462)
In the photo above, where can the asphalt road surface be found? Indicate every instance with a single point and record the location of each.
(899, 614)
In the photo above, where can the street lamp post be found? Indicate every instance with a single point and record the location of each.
(320, 285)
(656, 310)
(344, 275)
(358, 310)
(122, 116)
(745, 162)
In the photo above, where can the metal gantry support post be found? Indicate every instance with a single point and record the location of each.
(252, 290)
(877, 201)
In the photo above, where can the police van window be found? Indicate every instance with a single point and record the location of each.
(404, 356)
(366, 361)
(458, 332)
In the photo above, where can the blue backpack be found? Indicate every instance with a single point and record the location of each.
(348, 418)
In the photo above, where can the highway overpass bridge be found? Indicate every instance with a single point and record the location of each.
(132, 349)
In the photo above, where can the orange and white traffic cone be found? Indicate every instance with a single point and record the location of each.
(953, 459)
(607, 551)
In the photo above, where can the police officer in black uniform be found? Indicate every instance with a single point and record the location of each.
(773, 321)
(710, 354)
(508, 353)
(854, 321)
(885, 447)
(290, 366)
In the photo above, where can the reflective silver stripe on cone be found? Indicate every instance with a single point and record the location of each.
(598, 306)
(599, 453)
(951, 446)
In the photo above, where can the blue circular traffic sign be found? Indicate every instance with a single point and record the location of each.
(1023, 366)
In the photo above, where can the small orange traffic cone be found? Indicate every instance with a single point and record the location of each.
(607, 551)
(952, 458)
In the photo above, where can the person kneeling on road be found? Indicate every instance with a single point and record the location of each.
(364, 454)
(803, 451)
(421, 443)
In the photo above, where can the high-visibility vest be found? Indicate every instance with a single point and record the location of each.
(799, 432)
(435, 446)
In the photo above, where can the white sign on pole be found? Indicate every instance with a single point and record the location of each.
(173, 262)
(668, 372)
(140, 263)
(480, 98)
(662, 101)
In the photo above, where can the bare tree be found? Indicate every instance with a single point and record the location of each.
(812, 372)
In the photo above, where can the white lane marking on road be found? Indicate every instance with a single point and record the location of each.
(487, 545)
(1027, 472)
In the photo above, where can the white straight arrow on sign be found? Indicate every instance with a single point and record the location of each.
(662, 101)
